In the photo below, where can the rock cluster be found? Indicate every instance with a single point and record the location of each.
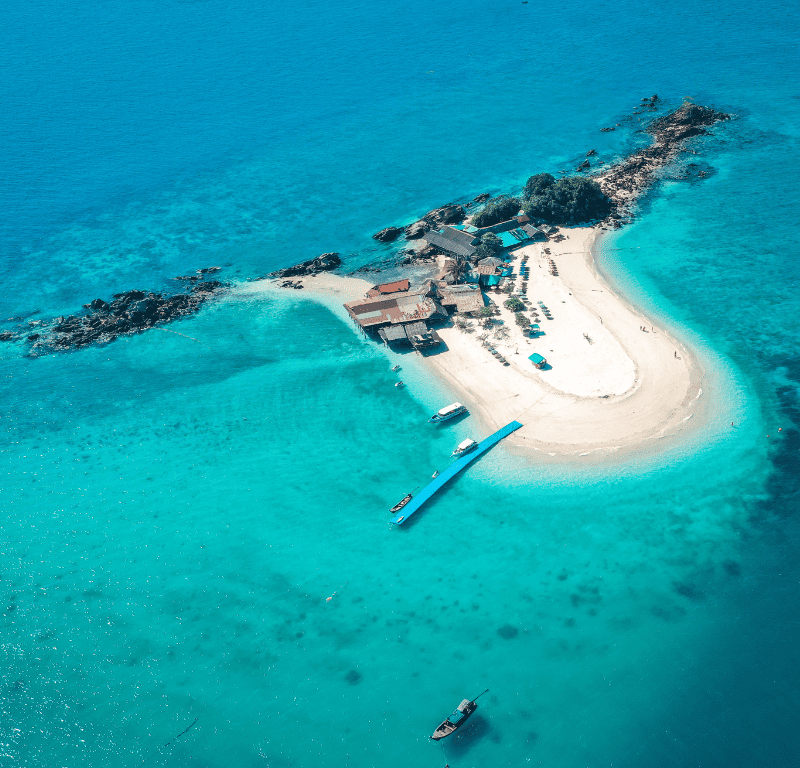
(129, 312)
(388, 235)
(624, 181)
(447, 214)
(324, 263)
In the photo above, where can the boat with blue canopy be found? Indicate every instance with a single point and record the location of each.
(457, 719)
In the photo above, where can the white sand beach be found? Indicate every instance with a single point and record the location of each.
(623, 390)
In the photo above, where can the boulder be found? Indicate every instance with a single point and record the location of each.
(426, 253)
(99, 304)
(323, 263)
(388, 235)
(6, 336)
(480, 198)
(417, 230)
(447, 214)
(591, 152)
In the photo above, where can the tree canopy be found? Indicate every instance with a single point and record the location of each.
(514, 304)
(500, 209)
(571, 200)
(490, 245)
(536, 185)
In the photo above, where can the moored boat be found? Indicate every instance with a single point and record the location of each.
(457, 719)
(464, 447)
(400, 504)
(448, 412)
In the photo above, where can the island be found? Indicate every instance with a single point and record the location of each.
(520, 324)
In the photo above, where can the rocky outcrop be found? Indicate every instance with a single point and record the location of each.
(689, 120)
(388, 235)
(417, 230)
(128, 313)
(425, 255)
(324, 263)
(6, 336)
(481, 198)
(447, 214)
(624, 181)
(591, 152)
(585, 165)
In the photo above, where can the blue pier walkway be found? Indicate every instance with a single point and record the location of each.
(432, 488)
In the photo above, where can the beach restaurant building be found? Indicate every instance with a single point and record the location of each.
(397, 317)
(453, 242)
(465, 299)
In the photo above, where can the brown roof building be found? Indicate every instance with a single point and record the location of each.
(377, 312)
(396, 287)
(466, 299)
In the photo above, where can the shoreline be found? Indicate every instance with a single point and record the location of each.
(623, 392)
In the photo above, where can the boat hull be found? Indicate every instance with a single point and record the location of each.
(456, 452)
(447, 728)
(400, 504)
(437, 419)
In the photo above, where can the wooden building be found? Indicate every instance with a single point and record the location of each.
(453, 242)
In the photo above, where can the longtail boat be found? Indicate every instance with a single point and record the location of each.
(400, 504)
(457, 719)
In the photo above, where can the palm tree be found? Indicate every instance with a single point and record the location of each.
(459, 269)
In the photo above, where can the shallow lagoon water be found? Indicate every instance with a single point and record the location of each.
(177, 508)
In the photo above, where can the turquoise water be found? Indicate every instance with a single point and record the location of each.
(177, 508)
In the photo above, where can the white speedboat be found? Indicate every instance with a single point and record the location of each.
(465, 447)
(448, 412)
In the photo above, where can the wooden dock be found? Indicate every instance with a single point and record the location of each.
(432, 488)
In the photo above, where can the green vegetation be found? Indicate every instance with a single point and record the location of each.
(514, 304)
(522, 321)
(571, 200)
(537, 185)
(500, 209)
(490, 245)
(487, 311)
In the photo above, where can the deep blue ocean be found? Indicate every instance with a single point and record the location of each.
(177, 508)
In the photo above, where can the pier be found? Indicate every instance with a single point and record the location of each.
(432, 488)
